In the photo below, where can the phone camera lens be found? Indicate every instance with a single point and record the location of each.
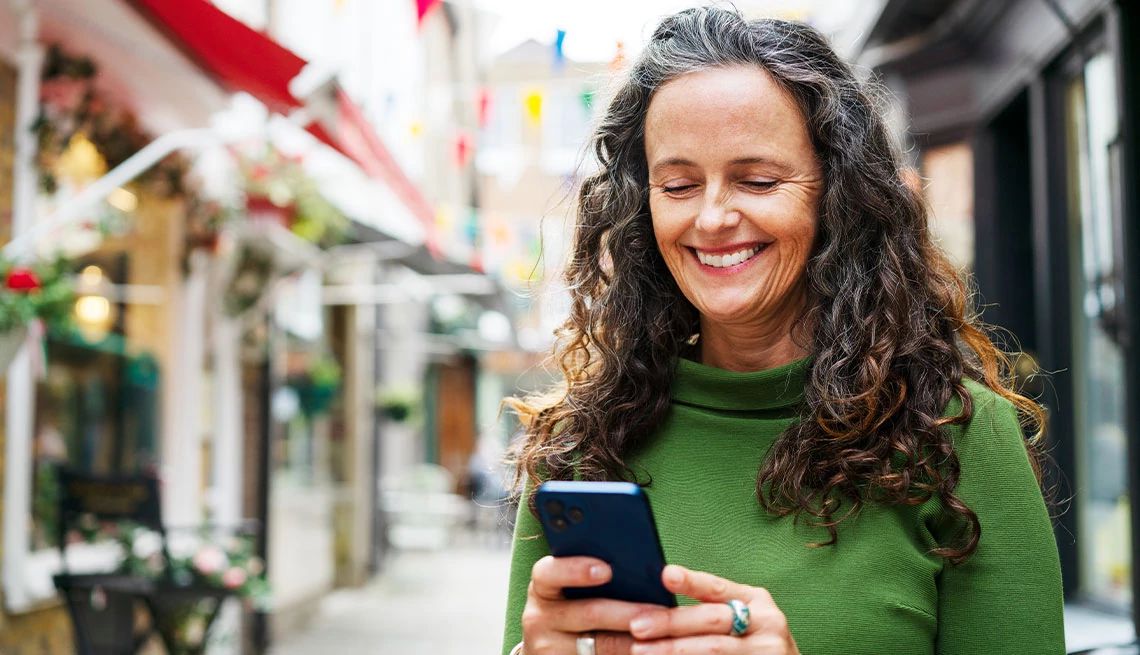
(558, 523)
(575, 514)
(553, 507)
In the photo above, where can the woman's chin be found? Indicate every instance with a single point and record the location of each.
(728, 313)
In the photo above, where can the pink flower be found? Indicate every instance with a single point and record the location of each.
(210, 560)
(233, 578)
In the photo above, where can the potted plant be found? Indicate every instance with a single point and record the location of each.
(41, 291)
(279, 190)
(317, 386)
(192, 577)
(398, 403)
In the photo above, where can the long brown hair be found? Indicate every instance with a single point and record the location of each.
(891, 330)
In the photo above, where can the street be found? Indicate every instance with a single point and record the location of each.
(448, 602)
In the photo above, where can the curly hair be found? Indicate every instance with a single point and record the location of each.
(891, 329)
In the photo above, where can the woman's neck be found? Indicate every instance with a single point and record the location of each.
(747, 348)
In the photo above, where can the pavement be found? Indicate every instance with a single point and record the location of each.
(445, 602)
(452, 601)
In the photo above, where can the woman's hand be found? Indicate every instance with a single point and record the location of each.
(551, 624)
(706, 628)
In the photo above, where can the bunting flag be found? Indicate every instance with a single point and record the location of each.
(618, 62)
(444, 221)
(483, 107)
(587, 98)
(422, 8)
(471, 226)
(533, 104)
(559, 56)
(462, 149)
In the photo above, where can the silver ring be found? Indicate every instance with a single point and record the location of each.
(741, 617)
(586, 645)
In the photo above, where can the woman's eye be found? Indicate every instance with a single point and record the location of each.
(762, 185)
(679, 188)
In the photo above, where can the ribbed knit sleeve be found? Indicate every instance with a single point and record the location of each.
(1007, 597)
(529, 547)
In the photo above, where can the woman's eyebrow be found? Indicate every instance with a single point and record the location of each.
(740, 161)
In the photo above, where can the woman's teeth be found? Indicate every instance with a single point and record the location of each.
(724, 261)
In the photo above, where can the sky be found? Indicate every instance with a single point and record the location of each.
(593, 27)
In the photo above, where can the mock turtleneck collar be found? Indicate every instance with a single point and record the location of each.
(715, 388)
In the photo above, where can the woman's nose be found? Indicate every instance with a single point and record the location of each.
(716, 214)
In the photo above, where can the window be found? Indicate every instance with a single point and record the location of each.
(1092, 133)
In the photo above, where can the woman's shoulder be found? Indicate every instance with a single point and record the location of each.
(985, 400)
(992, 441)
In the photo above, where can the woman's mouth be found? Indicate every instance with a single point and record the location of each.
(726, 260)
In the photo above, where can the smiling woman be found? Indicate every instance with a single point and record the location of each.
(734, 186)
(764, 336)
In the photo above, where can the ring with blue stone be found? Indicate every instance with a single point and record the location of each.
(741, 617)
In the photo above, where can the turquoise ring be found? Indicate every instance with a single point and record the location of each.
(741, 617)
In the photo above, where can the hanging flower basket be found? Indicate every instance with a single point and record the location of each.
(252, 275)
(318, 386)
(262, 208)
(37, 292)
(399, 403)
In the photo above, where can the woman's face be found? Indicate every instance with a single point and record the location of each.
(734, 186)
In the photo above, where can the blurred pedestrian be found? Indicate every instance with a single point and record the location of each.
(763, 334)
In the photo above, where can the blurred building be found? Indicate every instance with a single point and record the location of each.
(1022, 119)
(94, 403)
(248, 360)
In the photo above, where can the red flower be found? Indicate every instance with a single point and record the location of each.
(22, 279)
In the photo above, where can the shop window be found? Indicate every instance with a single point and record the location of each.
(1092, 132)
(97, 401)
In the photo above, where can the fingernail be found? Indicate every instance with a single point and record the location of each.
(674, 575)
(598, 572)
(641, 625)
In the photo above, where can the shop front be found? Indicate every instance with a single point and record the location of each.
(1044, 97)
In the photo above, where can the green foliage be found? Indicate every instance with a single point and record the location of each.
(317, 387)
(399, 403)
(284, 182)
(49, 299)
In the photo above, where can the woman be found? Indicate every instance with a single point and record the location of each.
(763, 334)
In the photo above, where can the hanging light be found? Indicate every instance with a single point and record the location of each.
(94, 313)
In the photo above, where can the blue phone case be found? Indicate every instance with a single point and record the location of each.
(611, 521)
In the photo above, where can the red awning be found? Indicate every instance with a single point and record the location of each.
(244, 59)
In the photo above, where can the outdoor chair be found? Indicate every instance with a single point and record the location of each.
(103, 606)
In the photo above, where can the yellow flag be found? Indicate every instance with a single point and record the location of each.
(533, 103)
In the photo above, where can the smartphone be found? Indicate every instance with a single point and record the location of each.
(611, 521)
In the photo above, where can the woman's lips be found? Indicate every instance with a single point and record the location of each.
(730, 260)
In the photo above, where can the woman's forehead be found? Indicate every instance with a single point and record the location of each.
(729, 114)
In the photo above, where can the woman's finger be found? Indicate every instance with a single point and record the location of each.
(551, 574)
(702, 619)
(704, 587)
(612, 643)
(699, 646)
(593, 614)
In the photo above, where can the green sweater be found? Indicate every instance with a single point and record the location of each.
(877, 590)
